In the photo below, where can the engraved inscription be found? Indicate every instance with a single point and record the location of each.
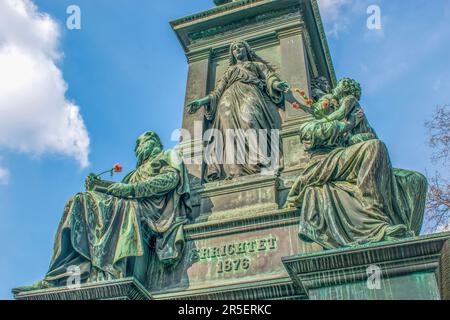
(236, 256)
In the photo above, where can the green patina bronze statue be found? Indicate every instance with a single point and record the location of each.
(349, 194)
(246, 98)
(105, 229)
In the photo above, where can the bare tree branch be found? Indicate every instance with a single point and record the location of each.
(439, 131)
(438, 202)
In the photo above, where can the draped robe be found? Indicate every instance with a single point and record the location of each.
(350, 195)
(102, 234)
(243, 99)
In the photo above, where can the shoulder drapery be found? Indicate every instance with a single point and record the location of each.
(269, 76)
(172, 175)
(262, 76)
(172, 178)
(316, 134)
(216, 94)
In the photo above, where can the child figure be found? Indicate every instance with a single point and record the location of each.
(343, 105)
(345, 111)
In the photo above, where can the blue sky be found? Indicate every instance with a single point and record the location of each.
(126, 73)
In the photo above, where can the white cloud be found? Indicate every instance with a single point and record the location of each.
(4, 174)
(332, 14)
(35, 116)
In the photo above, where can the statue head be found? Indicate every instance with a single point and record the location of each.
(148, 144)
(241, 51)
(346, 87)
(321, 83)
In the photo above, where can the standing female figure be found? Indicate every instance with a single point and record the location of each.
(244, 102)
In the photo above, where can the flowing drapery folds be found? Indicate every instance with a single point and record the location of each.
(102, 233)
(350, 194)
(243, 100)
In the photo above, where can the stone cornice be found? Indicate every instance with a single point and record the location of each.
(196, 30)
(226, 8)
(123, 289)
(223, 187)
(200, 55)
(272, 288)
(273, 218)
(253, 21)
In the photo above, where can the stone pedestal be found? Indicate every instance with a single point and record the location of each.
(411, 269)
(243, 196)
(124, 289)
(242, 244)
(235, 258)
(243, 259)
(240, 232)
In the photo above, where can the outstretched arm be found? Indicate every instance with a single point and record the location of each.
(159, 185)
(195, 105)
(210, 100)
(275, 86)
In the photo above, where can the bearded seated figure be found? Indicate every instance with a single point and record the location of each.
(349, 194)
(104, 230)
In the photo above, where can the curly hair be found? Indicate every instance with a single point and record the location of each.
(251, 54)
(350, 87)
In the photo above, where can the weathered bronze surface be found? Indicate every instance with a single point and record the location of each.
(246, 98)
(105, 233)
(410, 269)
(349, 194)
(208, 231)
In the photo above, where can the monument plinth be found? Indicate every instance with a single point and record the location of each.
(210, 230)
(234, 258)
(245, 196)
(412, 269)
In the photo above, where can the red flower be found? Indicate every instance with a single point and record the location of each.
(296, 106)
(302, 93)
(326, 104)
(117, 168)
(310, 102)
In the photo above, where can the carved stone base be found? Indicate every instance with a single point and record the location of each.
(276, 289)
(124, 289)
(243, 196)
(235, 258)
(412, 269)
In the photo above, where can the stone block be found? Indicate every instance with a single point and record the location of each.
(238, 258)
(124, 289)
(410, 269)
(242, 196)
